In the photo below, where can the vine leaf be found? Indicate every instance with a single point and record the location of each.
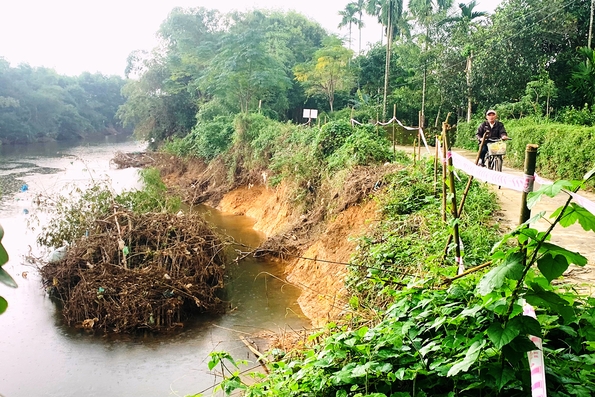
(549, 300)
(571, 257)
(552, 267)
(501, 336)
(502, 375)
(511, 268)
(3, 305)
(549, 190)
(470, 358)
(527, 325)
(575, 213)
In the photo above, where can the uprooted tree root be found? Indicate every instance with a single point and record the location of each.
(139, 271)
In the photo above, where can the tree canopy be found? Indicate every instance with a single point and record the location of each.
(38, 104)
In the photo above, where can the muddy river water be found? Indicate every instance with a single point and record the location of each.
(40, 356)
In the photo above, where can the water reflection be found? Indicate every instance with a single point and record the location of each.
(42, 357)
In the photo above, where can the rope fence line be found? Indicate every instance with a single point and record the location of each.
(397, 121)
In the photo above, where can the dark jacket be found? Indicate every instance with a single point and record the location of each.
(496, 132)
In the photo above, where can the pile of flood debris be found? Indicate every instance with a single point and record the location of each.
(134, 159)
(138, 271)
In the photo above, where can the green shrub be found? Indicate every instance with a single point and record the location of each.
(331, 137)
(565, 151)
(363, 147)
(570, 115)
(207, 140)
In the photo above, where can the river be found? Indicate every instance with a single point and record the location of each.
(40, 356)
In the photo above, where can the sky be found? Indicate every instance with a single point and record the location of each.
(75, 36)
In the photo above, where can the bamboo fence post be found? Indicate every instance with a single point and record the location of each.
(414, 154)
(421, 125)
(465, 193)
(394, 117)
(453, 193)
(530, 160)
(444, 168)
(436, 166)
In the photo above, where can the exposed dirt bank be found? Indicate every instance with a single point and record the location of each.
(317, 251)
(320, 267)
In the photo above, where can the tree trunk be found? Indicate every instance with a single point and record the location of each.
(387, 64)
(468, 75)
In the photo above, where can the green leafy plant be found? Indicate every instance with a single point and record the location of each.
(5, 278)
(470, 338)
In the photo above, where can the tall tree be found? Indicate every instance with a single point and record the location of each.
(244, 72)
(348, 18)
(427, 13)
(328, 72)
(464, 26)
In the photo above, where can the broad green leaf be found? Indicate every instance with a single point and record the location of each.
(522, 344)
(511, 268)
(546, 299)
(526, 234)
(556, 187)
(3, 255)
(535, 218)
(3, 305)
(361, 370)
(471, 311)
(552, 267)
(5, 278)
(501, 336)
(571, 257)
(527, 325)
(549, 190)
(470, 358)
(574, 213)
(502, 375)
(584, 217)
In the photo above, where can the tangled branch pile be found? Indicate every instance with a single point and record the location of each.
(137, 159)
(139, 271)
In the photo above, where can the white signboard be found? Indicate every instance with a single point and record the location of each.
(310, 113)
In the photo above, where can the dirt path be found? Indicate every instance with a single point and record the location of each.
(573, 238)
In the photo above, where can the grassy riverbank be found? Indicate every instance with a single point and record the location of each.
(407, 326)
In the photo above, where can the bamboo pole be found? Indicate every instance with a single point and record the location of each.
(421, 125)
(530, 160)
(453, 193)
(394, 117)
(443, 179)
(436, 166)
(465, 193)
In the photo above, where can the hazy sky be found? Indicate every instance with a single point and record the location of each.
(73, 36)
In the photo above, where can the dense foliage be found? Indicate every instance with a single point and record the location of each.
(38, 104)
(414, 330)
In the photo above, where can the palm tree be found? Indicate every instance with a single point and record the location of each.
(348, 18)
(389, 14)
(582, 80)
(425, 11)
(464, 24)
(360, 7)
